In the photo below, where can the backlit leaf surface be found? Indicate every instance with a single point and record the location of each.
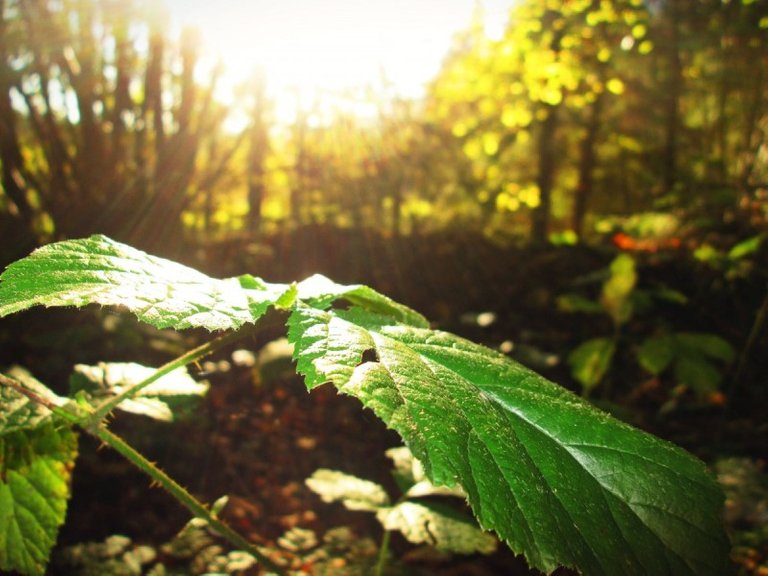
(165, 294)
(559, 480)
(160, 292)
(438, 526)
(36, 459)
(108, 379)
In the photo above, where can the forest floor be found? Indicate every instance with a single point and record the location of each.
(258, 434)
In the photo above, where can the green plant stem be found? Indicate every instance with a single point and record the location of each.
(137, 459)
(381, 562)
(754, 333)
(193, 355)
(183, 496)
(72, 417)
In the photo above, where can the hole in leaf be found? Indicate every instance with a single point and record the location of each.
(369, 355)
(341, 304)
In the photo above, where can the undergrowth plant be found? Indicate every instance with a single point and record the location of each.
(418, 513)
(555, 478)
(696, 359)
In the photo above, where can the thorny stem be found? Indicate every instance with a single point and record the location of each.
(187, 358)
(92, 422)
(180, 493)
(184, 497)
(72, 417)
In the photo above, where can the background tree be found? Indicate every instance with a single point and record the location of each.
(104, 120)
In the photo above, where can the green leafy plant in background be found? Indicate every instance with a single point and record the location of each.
(696, 359)
(420, 519)
(591, 360)
(557, 480)
(735, 262)
(692, 357)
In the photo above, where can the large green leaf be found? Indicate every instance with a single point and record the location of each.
(36, 460)
(560, 481)
(321, 292)
(160, 292)
(165, 294)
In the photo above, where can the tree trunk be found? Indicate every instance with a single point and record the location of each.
(547, 164)
(587, 162)
(10, 147)
(257, 154)
(546, 176)
(672, 104)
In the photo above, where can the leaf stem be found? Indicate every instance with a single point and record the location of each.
(15, 385)
(183, 496)
(754, 333)
(193, 355)
(383, 553)
(180, 493)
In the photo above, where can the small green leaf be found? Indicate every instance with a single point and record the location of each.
(407, 470)
(656, 353)
(355, 493)
(34, 488)
(17, 410)
(438, 526)
(746, 247)
(590, 361)
(697, 373)
(577, 303)
(108, 379)
(670, 295)
(558, 480)
(618, 288)
(705, 344)
(160, 292)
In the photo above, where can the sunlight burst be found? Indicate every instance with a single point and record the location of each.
(312, 51)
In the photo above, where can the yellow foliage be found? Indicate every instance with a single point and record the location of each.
(507, 203)
(615, 86)
(490, 143)
(530, 196)
(460, 129)
(487, 107)
(513, 116)
(552, 95)
(639, 31)
(472, 148)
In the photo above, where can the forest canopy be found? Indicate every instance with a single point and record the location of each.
(579, 115)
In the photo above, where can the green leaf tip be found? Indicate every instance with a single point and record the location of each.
(560, 481)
